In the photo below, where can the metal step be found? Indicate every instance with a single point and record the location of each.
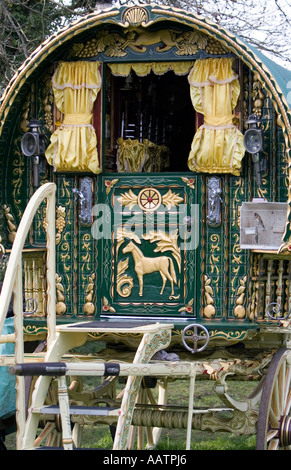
(61, 448)
(79, 410)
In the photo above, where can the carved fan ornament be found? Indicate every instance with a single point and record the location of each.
(135, 15)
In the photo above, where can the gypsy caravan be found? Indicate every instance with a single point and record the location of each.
(145, 203)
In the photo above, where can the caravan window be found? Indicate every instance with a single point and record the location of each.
(150, 120)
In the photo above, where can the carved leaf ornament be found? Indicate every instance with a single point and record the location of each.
(147, 197)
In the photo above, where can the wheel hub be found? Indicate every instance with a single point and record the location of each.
(285, 431)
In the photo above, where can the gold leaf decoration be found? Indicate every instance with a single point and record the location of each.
(239, 310)
(209, 310)
(187, 308)
(89, 307)
(189, 181)
(165, 242)
(123, 279)
(121, 234)
(171, 199)
(128, 199)
(109, 185)
(106, 307)
(61, 307)
(60, 222)
(10, 223)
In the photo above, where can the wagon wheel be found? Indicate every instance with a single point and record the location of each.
(274, 422)
(147, 437)
(149, 199)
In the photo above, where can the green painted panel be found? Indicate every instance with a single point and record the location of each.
(148, 243)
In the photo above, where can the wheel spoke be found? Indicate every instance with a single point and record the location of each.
(276, 400)
(287, 408)
(150, 439)
(273, 420)
(287, 397)
(274, 444)
(282, 386)
(272, 433)
(48, 429)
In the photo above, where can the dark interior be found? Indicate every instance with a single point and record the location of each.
(154, 107)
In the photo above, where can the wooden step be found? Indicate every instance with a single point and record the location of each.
(79, 410)
(61, 448)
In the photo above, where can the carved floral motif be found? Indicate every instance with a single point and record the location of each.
(138, 39)
(146, 200)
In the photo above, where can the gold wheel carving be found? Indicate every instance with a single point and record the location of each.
(149, 199)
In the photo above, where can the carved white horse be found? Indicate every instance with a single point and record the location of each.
(144, 265)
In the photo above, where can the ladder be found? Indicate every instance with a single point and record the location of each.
(154, 336)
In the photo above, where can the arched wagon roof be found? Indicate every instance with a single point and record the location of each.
(275, 79)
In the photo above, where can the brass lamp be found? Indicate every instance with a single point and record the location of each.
(253, 142)
(33, 144)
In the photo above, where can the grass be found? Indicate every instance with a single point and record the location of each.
(101, 439)
(175, 439)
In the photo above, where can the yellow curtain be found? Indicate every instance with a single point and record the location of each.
(73, 144)
(217, 146)
(144, 68)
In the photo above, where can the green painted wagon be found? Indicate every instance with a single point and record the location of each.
(145, 203)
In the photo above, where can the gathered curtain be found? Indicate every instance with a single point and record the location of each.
(145, 68)
(73, 145)
(217, 146)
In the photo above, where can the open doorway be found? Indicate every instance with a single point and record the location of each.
(153, 111)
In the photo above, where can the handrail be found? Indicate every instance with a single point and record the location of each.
(13, 277)
(12, 283)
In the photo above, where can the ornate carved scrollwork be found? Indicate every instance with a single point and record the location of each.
(124, 283)
(149, 199)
